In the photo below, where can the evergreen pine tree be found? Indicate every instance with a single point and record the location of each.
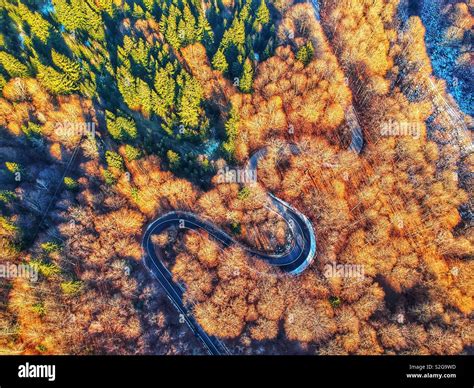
(108, 6)
(263, 14)
(247, 77)
(219, 62)
(189, 102)
(53, 80)
(69, 14)
(174, 159)
(137, 11)
(305, 53)
(13, 66)
(143, 95)
(164, 99)
(171, 29)
(231, 128)
(190, 30)
(114, 160)
(39, 26)
(132, 153)
(204, 31)
(68, 66)
(149, 5)
(114, 130)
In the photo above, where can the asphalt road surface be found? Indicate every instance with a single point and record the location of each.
(293, 261)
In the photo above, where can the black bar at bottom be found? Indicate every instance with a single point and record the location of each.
(318, 371)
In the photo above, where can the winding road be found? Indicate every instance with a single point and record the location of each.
(298, 257)
(294, 261)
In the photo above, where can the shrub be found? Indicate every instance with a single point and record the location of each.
(70, 183)
(132, 153)
(235, 227)
(114, 160)
(71, 287)
(50, 246)
(335, 301)
(244, 193)
(109, 177)
(39, 308)
(46, 269)
(13, 167)
(7, 196)
(305, 53)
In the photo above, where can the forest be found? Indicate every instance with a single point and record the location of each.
(114, 112)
